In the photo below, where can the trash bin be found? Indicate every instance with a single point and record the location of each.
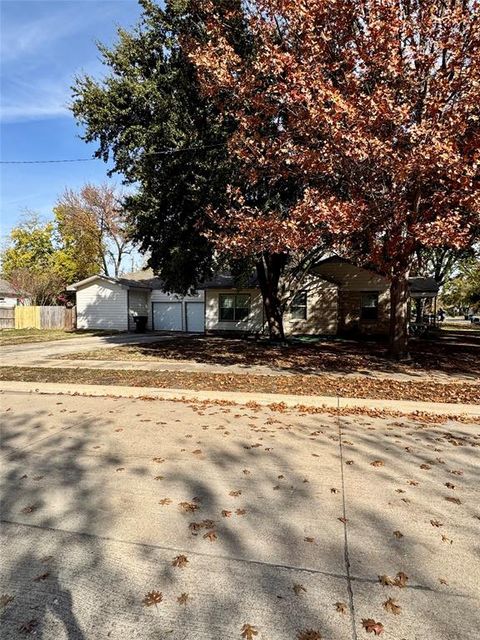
(140, 323)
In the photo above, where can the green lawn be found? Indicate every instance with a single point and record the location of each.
(22, 336)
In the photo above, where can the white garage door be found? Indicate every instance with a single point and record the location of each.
(195, 316)
(167, 316)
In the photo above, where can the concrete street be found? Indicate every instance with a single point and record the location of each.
(98, 497)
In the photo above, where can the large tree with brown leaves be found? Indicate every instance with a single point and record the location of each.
(371, 107)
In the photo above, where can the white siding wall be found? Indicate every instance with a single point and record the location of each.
(163, 296)
(252, 324)
(138, 305)
(6, 301)
(102, 305)
(322, 309)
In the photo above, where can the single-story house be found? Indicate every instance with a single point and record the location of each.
(336, 297)
(9, 297)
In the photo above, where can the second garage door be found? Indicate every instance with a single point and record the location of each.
(167, 316)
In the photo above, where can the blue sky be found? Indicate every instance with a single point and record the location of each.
(44, 44)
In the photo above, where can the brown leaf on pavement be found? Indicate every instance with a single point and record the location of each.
(400, 580)
(180, 561)
(454, 500)
(240, 512)
(188, 507)
(377, 463)
(226, 513)
(5, 599)
(28, 627)
(298, 588)
(436, 523)
(152, 598)
(392, 607)
(309, 634)
(210, 535)
(248, 631)
(398, 534)
(183, 599)
(235, 494)
(42, 577)
(371, 626)
(165, 501)
(341, 607)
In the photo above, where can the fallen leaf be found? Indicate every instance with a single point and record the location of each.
(392, 607)
(5, 599)
(165, 501)
(333, 490)
(342, 519)
(188, 507)
(436, 523)
(309, 634)
(400, 580)
(29, 509)
(152, 598)
(158, 460)
(298, 588)
(28, 627)
(226, 514)
(42, 577)
(398, 534)
(180, 561)
(445, 539)
(248, 632)
(308, 539)
(235, 494)
(210, 535)
(341, 607)
(240, 512)
(454, 500)
(377, 463)
(449, 485)
(371, 626)
(183, 599)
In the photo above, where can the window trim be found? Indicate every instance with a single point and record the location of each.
(376, 306)
(304, 306)
(234, 296)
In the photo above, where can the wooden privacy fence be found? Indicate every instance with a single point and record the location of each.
(7, 318)
(44, 318)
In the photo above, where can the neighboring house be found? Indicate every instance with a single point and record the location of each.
(8, 295)
(336, 297)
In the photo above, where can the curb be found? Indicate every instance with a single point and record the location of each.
(241, 398)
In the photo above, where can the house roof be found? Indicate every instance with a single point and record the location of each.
(227, 281)
(137, 280)
(343, 272)
(6, 288)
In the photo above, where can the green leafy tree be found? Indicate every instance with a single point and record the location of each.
(463, 291)
(31, 261)
(147, 103)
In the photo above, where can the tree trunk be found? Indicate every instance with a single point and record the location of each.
(399, 316)
(269, 270)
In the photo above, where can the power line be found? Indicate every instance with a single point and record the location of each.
(44, 161)
(162, 152)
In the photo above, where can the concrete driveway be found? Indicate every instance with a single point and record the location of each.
(38, 352)
(285, 522)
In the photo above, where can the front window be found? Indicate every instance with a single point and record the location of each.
(298, 306)
(369, 306)
(234, 307)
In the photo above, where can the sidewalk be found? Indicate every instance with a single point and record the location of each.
(263, 399)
